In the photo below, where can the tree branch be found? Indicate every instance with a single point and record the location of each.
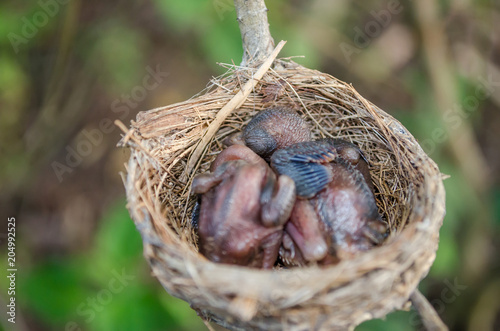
(430, 318)
(257, 41)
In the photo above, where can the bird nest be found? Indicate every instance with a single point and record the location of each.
(170, 145)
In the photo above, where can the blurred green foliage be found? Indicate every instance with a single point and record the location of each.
(67, 74)
(78, 289)
(115, 69)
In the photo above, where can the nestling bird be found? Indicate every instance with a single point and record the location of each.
(270, 130)
(244, 207)
(335, 214)
(338, 197)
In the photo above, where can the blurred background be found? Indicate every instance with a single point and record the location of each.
(69, 69)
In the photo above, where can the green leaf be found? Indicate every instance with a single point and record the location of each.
(396, 321)
(136, 308)
(447, 256)
(52, 291)
(117, 244)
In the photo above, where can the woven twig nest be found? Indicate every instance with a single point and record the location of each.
(409, 192)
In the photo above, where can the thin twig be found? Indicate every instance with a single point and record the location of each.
(430, 318)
